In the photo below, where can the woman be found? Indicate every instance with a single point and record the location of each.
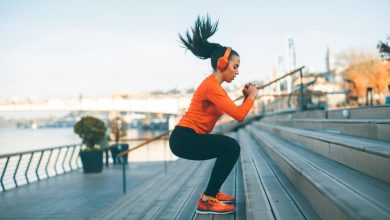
(191, 139)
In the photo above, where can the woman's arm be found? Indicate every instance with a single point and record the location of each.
(218, 96)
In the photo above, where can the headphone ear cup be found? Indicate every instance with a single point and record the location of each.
(222, 63)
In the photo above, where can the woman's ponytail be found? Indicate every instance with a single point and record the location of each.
(197, 41)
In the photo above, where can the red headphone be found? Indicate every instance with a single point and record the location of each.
(223, 62)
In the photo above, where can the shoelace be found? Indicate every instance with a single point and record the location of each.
(215, 201)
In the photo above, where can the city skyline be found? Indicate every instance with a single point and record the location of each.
(63, 49)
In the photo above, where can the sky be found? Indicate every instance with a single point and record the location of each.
(97, 48)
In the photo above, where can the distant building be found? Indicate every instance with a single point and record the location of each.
(330, 85)
(327, 89)
(329, 60)
(291, 62)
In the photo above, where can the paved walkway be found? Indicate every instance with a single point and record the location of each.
(74, 195)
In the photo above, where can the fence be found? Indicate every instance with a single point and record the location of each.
(26, 167)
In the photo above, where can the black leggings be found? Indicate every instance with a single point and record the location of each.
(188, 144)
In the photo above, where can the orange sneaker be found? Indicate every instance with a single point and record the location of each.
(223, 197)
(214, 206)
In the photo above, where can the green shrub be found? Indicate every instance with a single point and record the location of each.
(91, 130)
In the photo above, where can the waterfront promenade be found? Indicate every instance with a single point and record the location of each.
(331, 164)
(74, 195)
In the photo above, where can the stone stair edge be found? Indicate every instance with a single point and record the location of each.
(378, 147)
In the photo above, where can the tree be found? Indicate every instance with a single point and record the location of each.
(384, 50)
(91, 130)
(365, 70)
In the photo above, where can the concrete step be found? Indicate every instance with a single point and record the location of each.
(369, 156)
(232, 187)
(366, 112)
(156, 197)
(269, 195)
(333, 190)
(182, 203)
(369, 128)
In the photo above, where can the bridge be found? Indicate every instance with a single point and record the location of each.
(165, 104)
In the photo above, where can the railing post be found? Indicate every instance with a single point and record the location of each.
(16, 170)
(56, 161)
(39, 163)
(63, 161)
(28, 167)
(147, 153)
(77, 160)
(47, 164)
(165, 156)
(2, 175)
(71, 156)
(302, 104)
(124, 176)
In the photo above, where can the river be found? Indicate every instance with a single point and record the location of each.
(14, 140)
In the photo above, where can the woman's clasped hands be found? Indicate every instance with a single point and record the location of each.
(250, 91)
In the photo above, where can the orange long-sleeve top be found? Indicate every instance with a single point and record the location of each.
(208, 104)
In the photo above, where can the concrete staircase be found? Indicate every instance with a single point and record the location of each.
(340, 165)
(268, 193)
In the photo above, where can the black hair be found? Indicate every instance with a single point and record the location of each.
(198, 44)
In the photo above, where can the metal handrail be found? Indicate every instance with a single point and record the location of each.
(130, 139)
(126, 152)
(299, 92)
(22, 173)
(124, 140)
(312, 93)
(276, 80)
(282, 77)
(144, 143)
(34, 151)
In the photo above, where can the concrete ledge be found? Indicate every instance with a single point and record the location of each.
(367, 156)
(289, 114)
(367, 112)
(381, 148)
(369, 128)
